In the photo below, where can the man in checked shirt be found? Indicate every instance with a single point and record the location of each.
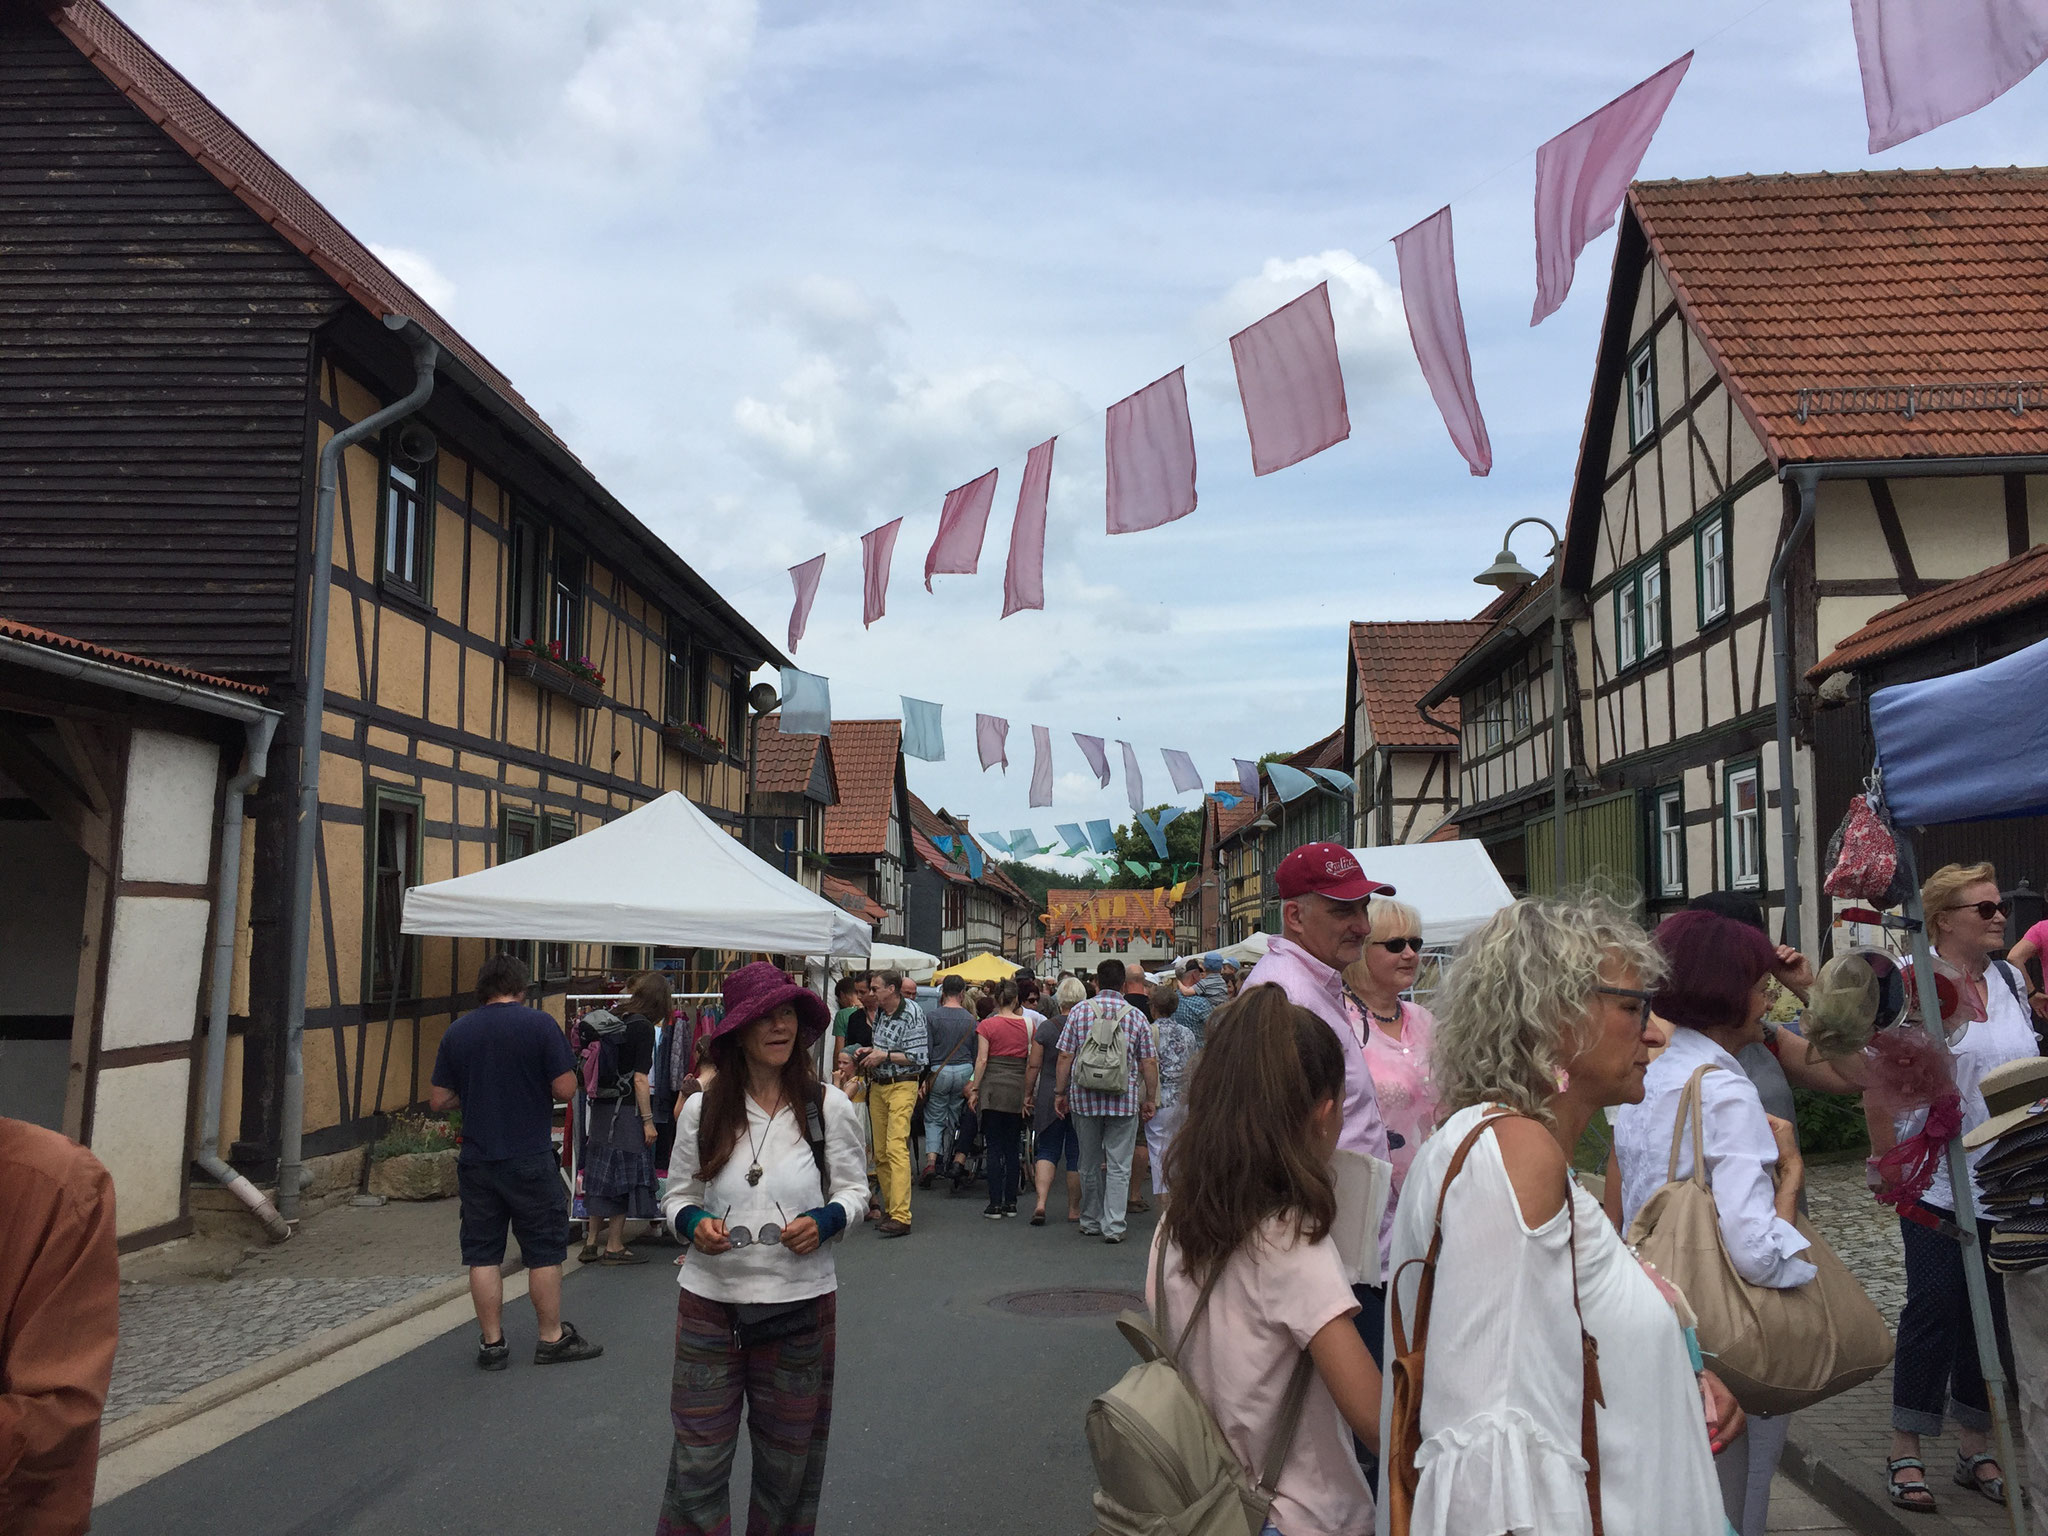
(893, 1064)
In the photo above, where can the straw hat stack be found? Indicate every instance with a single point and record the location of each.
(2014, 1173)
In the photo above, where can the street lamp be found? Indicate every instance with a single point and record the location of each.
(1508, 573)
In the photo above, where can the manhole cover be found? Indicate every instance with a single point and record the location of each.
(1070, 1301)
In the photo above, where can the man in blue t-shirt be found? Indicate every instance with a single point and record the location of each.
(507, 1066)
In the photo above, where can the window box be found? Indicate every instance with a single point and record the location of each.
(543, 671)
(694, 741)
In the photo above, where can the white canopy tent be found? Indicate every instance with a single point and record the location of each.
(663, 874)
(1452, 884)
(914, 963)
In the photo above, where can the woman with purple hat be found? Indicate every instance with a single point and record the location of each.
(768, 1169)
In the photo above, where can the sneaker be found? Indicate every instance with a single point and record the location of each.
(1112, 1237)
(893, 1228)
(493, 1357)
(1089, 1232)
(992, 1211)
(1009, 1208)
(570, 1346)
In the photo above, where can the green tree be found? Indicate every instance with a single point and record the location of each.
(1183, 851)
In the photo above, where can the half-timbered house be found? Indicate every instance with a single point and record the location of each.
(867, 832)
(1403, 764)
(792, 784)
(510, 656)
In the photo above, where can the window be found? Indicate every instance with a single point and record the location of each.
(518, 835)
(1642, 394)
(1080, 943)
(1518, 708)
(955, 907)
(1627, 625)
(565, 601)
(676, 696)
(1652, 606)
(736, 715)
(554, 958)
(700, 688)
(407, 515)
(1489, 714)
(1713, 563)
(394, 868)
(628, 957)
(526, 601)
(1670, 841)
(1743, 809)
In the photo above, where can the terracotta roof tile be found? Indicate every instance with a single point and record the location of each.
(845, 894)
(1326, 753)
(1870, 278)
(2021, 582)
(865, 756)
(927, 850)
(783, 763)
(1397, 663)
(57, 642)
(1229, 818)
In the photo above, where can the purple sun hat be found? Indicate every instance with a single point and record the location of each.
(755, 991)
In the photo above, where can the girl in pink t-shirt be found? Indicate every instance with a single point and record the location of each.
(1397, 1033)
(1252, 1205)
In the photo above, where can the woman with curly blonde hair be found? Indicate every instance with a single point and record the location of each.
(1543, 1021)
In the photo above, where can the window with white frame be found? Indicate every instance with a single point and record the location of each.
(1652, 606)
(1518, 707)
(1671, 841)
(1627, 625)
(1744, 811)
(1713, 564)
(1642, 394)
(1638, 613)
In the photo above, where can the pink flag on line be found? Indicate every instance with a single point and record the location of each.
(963, 521)
(1436, 324)
(1041, 765)
(805, 578)
(1098, 759)
(1151, 448)
(1929, 62)
(1024, 576)
(1583, 174)
(990, 734)
(1181, 768)
(1134, 781)
(877, 547)
(1290, 383)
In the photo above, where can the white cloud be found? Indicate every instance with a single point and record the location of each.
(417, 273)
(1372, 331)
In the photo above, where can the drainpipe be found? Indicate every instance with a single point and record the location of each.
(226, 901)
(1806, 478)
(259, 724)
(291, 1135)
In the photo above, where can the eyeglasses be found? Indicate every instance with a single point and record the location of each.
(1645, 998)
(1395, 946)
(1984, 909)
(769, 1235)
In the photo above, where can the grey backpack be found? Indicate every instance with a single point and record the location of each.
(1161, 1464)
(1103, 1064)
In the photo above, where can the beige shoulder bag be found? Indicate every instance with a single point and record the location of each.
(1776, 1350)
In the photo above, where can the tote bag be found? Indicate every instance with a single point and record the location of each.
(1776, 1350)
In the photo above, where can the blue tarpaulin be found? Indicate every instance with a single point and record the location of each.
(1967, 747)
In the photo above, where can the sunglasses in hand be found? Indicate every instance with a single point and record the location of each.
(745, 1237)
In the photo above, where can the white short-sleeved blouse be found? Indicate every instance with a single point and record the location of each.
(1504, 1387)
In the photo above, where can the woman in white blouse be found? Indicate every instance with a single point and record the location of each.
(1713, 1000)
(1544, 1014)
(767, 1170)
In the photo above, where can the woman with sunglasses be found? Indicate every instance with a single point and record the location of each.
(768, 1169)
(1934, 1370)
(1398, 1038)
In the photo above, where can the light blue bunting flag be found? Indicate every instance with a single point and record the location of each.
(1077, 840)
(995, 841)
(1340, 782)
(806, 704)
(922, 737)
(976, 861)
(1291, 783)
(1024, 844)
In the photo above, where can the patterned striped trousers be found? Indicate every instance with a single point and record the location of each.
(787, 1389)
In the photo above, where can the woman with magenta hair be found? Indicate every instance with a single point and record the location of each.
(1713, 1000)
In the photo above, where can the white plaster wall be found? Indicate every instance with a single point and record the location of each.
(1748, 450)
(138, 1131)
(1756, 519)
(167, 825)
(1848, 544)
(153, 965)
(42, 917)
(1837, 618)
(1953, 527)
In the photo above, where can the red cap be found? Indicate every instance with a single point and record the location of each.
(1325, 869)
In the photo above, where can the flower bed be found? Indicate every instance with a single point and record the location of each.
(576, 680)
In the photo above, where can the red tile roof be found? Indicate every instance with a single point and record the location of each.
(1870, 278)
(845, 894)
(1229, 818)
(2021, 582)
(1397, 662)
(1326, 753)
(56, 642)
(865, 758)
(783, 763)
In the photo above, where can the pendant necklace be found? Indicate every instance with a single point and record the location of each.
(754, 1173)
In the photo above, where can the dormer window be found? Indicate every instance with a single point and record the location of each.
(1642, 395)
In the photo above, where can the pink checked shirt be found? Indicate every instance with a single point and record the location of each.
(1400, 1081)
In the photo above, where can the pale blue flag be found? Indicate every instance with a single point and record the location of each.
(922, 737)
(1103, 836)
(806, 704)
(1077, 840)
(1291, 783)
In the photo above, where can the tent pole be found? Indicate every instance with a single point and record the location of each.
(1975, 1279)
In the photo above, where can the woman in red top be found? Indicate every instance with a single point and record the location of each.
(997, 1095)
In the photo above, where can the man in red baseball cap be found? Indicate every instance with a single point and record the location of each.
(1323, 928)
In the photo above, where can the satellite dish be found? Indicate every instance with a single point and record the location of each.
(763, 698)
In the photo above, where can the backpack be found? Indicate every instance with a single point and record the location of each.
(604, 1038)
(1161, 1464)
(1103, 1064)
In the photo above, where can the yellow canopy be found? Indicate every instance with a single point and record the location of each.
(981, 967)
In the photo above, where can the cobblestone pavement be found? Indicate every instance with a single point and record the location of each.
(205, 1309)
(1851, 1434)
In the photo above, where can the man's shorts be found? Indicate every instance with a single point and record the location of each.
(525, 1193)
(1056, 1140)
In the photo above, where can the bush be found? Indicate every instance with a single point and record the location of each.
(416, 1133)
(1829, 1122)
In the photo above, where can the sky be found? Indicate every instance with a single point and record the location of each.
(780, 272)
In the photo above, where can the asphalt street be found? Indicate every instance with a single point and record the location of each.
(953, 1410)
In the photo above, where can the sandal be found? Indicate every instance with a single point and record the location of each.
(1915, 1495)
(1038, 1218)
(615, 1257)
(1993, 1488)
(589, 1254)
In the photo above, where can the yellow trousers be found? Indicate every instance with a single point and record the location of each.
(890, 1106)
